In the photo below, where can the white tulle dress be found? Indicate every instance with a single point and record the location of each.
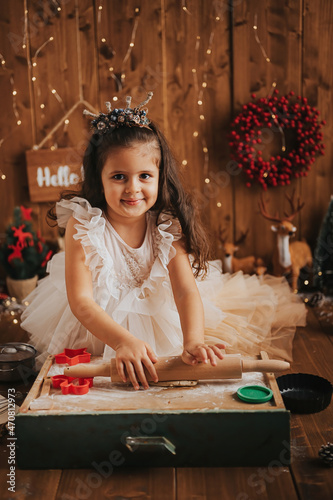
(132, 285)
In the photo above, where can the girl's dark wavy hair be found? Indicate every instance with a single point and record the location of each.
(172, 197)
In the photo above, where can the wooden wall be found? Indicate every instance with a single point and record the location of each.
(171, 39)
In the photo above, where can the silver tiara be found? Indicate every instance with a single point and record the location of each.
(118, 117)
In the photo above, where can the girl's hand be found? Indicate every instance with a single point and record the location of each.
(131, 356)
(194, 353)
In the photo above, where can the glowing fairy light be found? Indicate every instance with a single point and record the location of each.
(25, 28)
(41, 47)
(219, 204)
(120, 81)
(131, 44)
(273, 86)
(14, 90)
(185, 9)
(262, 48)
(57, 96)
(184, 162)
(199, 91)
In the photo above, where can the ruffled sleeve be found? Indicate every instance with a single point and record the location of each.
(169, 230)
(90, 230)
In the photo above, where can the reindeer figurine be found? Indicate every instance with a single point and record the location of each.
(288, 257)
(232, 264)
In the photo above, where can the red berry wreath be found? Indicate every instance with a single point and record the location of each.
(285, 122)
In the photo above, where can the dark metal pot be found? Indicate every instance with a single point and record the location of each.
(17, 361)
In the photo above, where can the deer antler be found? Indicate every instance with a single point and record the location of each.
(294, 210)
(242, 237)
(264, 213)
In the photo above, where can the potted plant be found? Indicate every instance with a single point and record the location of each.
(23, 255)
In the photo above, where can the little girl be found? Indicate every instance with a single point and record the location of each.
(130, 282)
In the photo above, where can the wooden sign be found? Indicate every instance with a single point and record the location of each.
(52, 172)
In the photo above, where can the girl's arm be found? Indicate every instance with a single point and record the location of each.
(131, 353)
(190, 309)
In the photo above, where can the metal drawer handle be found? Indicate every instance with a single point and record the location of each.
(153, 442)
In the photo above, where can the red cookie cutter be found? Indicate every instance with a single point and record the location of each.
(73, 356)
(72, 385)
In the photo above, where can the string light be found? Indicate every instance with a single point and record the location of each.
(41, 48)
(14, 105)
(57, 96)
(35, 66)
(99, 12)
(185, 9)
(199, 90)
(262, 48)
(25, 30)
(219, 204)
(131, 44)
(273, 86)
(120, 81)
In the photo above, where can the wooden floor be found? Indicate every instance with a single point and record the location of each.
(307, 478)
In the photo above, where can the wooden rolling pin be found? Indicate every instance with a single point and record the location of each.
(171, 369)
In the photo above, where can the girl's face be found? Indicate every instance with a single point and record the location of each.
(130, 182)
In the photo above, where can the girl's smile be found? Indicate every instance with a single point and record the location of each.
(130, 182)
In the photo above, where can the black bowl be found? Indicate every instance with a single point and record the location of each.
(305, 393)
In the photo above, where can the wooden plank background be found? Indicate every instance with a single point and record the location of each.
(185, 51)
